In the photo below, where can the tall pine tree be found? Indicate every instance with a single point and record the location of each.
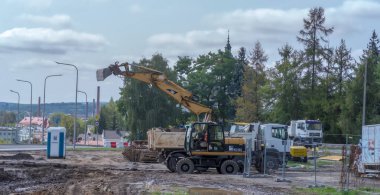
(250, 105)
(311, 36)
(352, 116)
(286, 89)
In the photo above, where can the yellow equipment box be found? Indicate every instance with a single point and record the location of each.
(298, 151)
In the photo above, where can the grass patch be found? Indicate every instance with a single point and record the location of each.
(336, 191)
(320, 190)
(172, 191)
(166, 193)
(326, 151)
(295, 164)
(368, 189)
(325, 190)
(330, 148)
(323, 162)
(95, 149)
(310, 163)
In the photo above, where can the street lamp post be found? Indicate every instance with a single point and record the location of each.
(76, 102)
(85, 132)
(31, 107)
(43, 112)
(18, 104)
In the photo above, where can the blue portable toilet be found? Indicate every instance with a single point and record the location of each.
(56, 142)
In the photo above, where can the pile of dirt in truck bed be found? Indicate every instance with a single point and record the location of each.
(18, 156)
(140, 154)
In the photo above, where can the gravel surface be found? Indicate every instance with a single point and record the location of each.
(107, 172)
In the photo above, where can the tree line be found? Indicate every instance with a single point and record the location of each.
(319, 81)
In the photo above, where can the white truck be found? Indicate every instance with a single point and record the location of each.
(269, 134)
(305, 132)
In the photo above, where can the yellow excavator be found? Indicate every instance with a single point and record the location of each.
(158, 79)
(205, 145)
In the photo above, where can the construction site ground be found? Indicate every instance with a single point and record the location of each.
(107, 172)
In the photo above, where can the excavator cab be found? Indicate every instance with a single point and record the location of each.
(204, 137)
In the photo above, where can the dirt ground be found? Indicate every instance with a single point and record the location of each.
(107, 172)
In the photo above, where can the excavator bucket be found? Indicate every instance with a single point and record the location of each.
(102, 74)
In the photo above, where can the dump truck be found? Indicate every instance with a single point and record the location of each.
(269, 134)
(306, 132)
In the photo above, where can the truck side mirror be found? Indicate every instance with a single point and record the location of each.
(251, 128)
(285, 137)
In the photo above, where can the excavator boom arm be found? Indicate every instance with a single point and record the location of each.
(158, 79)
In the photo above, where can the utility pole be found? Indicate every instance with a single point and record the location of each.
(43, 112)
(97, 114)
(85, 132)
(18, 104)
(76, 102)
(31, 109)
(364, 93)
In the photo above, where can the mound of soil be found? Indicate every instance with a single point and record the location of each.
(3, 175)
(18, 156)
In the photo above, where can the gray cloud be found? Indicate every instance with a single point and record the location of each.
(31, 63)
(59, 20)
(347, 18)
(246, 26)
(261, 22)
(46, 40)
(354, 9)
(272, 27)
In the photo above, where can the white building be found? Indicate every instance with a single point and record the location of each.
(8, 135)
(114, 139)
(23, 134)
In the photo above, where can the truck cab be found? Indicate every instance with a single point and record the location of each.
(273, 136)
(306, 132)
(270, 133)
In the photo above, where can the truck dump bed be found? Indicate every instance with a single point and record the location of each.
(158, 139)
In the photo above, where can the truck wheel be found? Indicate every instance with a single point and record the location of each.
(161, 158)
(172, 161)
(272, 163)
(304, 159)
(218, 169)
(185, 165)
(259, 166)
(229, 167)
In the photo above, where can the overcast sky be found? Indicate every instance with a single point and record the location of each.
(95, 33)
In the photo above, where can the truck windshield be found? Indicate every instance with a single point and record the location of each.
(279, 132)
(313, 126)
(239, 128)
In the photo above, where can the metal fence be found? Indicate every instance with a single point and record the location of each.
(334, 165)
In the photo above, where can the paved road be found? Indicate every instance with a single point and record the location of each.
(30, 147)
